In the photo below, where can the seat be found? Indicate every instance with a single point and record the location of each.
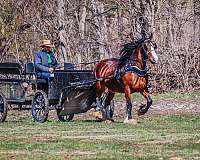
(68, 66)
(29, 68)
(11, 68)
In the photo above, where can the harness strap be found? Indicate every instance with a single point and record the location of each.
(136, 70)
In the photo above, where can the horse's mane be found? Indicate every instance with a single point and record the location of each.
(129, 47)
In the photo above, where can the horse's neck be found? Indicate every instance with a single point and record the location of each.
(137, 59)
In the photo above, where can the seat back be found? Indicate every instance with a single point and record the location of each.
(11, 68)
(29, 68)
(69, 66)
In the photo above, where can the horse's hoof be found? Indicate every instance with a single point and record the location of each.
(98, 115)
(108, 121)
(112, 120)
(131, 121)
(141, 112)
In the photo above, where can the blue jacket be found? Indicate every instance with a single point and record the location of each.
(41, 61)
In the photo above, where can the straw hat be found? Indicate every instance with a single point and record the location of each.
(46, 43)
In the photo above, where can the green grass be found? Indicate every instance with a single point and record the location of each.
(164, 137)
(137, 97)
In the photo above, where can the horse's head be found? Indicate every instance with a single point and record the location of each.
(150, 50)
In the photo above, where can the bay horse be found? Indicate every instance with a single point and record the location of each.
(133, 77)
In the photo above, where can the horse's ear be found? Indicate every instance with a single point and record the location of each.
(149, 38)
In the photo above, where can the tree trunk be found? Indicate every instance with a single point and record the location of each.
(62, 32)
(82, 19)
(101, 30)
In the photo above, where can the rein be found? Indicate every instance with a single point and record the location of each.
(78, 64)
(145, 57)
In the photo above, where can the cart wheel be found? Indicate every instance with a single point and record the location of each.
(3, 107)
(40, 106)
(66, 118)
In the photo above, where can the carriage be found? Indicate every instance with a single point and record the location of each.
(70, 91)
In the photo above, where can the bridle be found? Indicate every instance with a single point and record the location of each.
(146, 52)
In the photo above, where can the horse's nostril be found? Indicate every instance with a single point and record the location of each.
(153, 61)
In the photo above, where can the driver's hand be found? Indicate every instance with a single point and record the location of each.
(51, 70)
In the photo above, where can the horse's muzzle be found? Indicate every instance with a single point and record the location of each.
(153, 61)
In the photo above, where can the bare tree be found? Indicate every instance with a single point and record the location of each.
(61, 31)
(101, 28)
(85, 29)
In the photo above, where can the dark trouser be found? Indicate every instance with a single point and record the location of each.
(43, 75)
(48, 77)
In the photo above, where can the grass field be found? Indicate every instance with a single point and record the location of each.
(172, 137)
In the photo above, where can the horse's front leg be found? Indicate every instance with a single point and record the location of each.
(128, 118)
(144, 108)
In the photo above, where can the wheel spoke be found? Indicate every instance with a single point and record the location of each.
(1, 101)
(1, 105)
(36, 111)
(1, 109)
(38, 114)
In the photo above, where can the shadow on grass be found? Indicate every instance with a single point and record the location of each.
(49, 121)
(97, 121)
(12, 121)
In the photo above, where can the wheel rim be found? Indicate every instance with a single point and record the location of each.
(1, 106)
(39, 106)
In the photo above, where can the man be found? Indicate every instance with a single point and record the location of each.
(45, 61)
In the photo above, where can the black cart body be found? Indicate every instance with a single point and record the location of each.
(70, 91)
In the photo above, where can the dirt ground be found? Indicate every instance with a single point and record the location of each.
(160, 107)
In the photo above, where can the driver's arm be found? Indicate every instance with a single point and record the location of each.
(38, 63)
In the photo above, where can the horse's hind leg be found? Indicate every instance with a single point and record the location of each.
(99, 113)
(100, 88)
(144, 108)
(109, 98)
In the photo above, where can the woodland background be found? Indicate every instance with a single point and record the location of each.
(88, 30)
